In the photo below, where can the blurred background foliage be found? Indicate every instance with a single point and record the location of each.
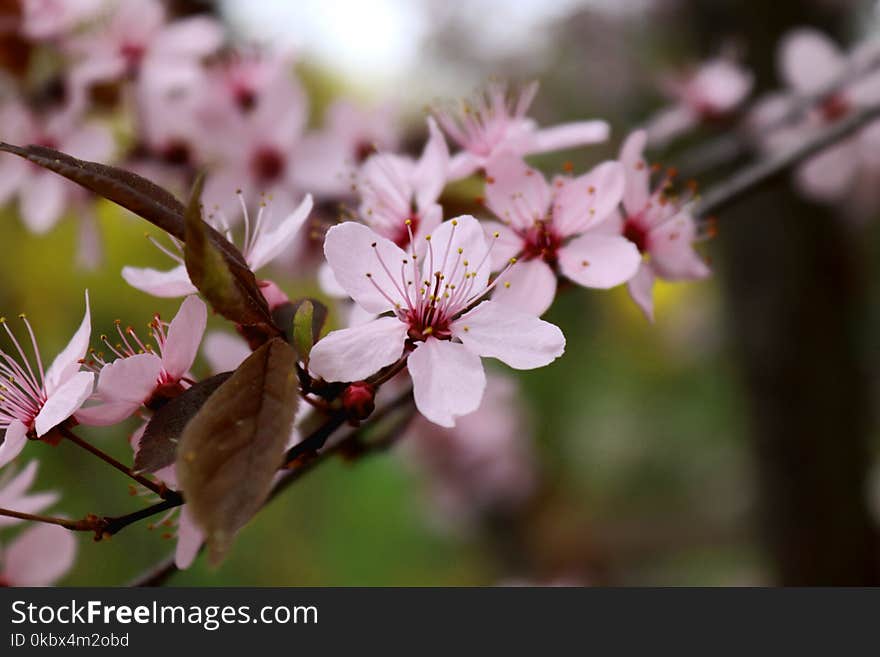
(643, 432)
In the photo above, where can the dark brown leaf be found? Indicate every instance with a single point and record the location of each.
(158, 445)
(231, 450)
(133, 192)
(230, 287)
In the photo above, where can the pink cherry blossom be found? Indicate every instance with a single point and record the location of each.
(44, 196)
(555, 230)
(809, 62)
(440, 319)
(659, 225)
(38, 556)
(138, 39)
(495, 121)
(399, 201)
(330, 157)
(708, 93)
(14, 494)
(399, 195)
(265, 239)
(262, 117)
(142, 371)
(51, 19)
(34, 400)
(483, 464)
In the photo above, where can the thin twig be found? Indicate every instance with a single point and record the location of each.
(160, 489)
(754, 175)
(117, 524)
(87, 524)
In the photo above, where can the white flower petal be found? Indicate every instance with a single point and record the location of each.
(184, 336)
(448, 380)
(350, 252)
(600, 261)
(355, 353)
(519, 339)
(269, 244)
(164, 284)
(64, 402)
(529, 286)
(67, 362)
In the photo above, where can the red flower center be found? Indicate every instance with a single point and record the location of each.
(132, 53)
(834, 107)
(401, 239)
(268, 163)
(245, 98)
(541, 242)
(636, 233)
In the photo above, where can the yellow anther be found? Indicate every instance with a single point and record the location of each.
(496, 234)
(506, 283)
(513, 261)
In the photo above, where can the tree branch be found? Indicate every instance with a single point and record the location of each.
(88, 524)
(757, 174)
(727, 148)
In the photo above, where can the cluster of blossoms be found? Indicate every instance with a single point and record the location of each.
(810, 64)
(425, 295)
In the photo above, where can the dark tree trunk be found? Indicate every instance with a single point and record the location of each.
(795, 292)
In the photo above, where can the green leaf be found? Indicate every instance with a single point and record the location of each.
(304, 334)
(231, 450)
(158, 445)
(229, 286)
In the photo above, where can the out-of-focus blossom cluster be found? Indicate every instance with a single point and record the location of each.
(812, 66)
(428, 294)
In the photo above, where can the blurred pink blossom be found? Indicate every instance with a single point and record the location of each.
(43, 195)
(555, 230)
(140, 371)
(495, 121)
(261, 111)
(137, 39)
(51, 19)
(39, 556)
(440, 318)
(711, 91)
(809, 62)
(14, 494)
(482, 465)
(660, 226)
(35, 401)
(330, 157)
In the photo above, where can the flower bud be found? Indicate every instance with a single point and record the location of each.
(358, 400)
